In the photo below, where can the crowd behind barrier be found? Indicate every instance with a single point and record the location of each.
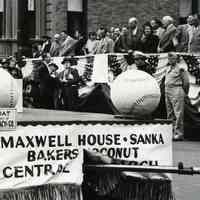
(51, 80)
(54, 86)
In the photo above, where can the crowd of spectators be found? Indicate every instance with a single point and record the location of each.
(51, 90)
(13, 65)
(154, 36)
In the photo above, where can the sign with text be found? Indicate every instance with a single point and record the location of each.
(8, 119)
(38, 155)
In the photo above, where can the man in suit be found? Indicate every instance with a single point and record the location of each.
(194, 46)
(130, 40)
(184, 35)
(55, 46)
(105, 44)
(68, 45)
(47, 83)
(168, 40)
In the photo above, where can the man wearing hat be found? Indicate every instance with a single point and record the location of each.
(140, 62)
(176, 87)
(69, 78)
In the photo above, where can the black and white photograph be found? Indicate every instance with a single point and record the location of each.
(99, 100)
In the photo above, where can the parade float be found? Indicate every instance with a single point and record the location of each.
(50, 154)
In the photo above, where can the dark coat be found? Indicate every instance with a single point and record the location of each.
(128, 42)
(47, 86)
(47, 47)
(150, 44)
(70, 89)
(71, 81)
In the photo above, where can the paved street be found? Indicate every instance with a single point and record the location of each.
(187, 187)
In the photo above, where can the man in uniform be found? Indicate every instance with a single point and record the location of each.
(176, 87)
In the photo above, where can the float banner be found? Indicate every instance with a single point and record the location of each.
(39, 155)
(8, 119)
(33, 156)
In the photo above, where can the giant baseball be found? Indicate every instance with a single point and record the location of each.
(8, 90)
(135, 92)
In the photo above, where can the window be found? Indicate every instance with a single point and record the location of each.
(188, 7)
(75, 5)
(8, 19)
(31, 20)
(76, 16)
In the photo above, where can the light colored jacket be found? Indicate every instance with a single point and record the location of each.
(105, 45)
(68, 47)
(166, 41)
(195, 40)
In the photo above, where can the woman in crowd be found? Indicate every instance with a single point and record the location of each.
(149, 41)
(69, 78)
(91, 43)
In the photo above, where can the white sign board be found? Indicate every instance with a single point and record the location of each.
(8, 119)
(38, 155)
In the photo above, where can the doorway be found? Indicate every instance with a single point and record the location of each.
(77, 17)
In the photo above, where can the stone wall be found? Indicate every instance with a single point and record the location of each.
(108, 12)
(56, 16)
(117, 12)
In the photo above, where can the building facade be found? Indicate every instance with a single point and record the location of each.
(23, 22)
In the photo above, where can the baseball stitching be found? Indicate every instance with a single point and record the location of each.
(141, 100)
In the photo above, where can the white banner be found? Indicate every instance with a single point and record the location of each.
(146, 144)
(38, 155)
(32, 156)
(100, 70)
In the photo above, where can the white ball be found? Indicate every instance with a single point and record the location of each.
(135, 92)
(8, 90)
